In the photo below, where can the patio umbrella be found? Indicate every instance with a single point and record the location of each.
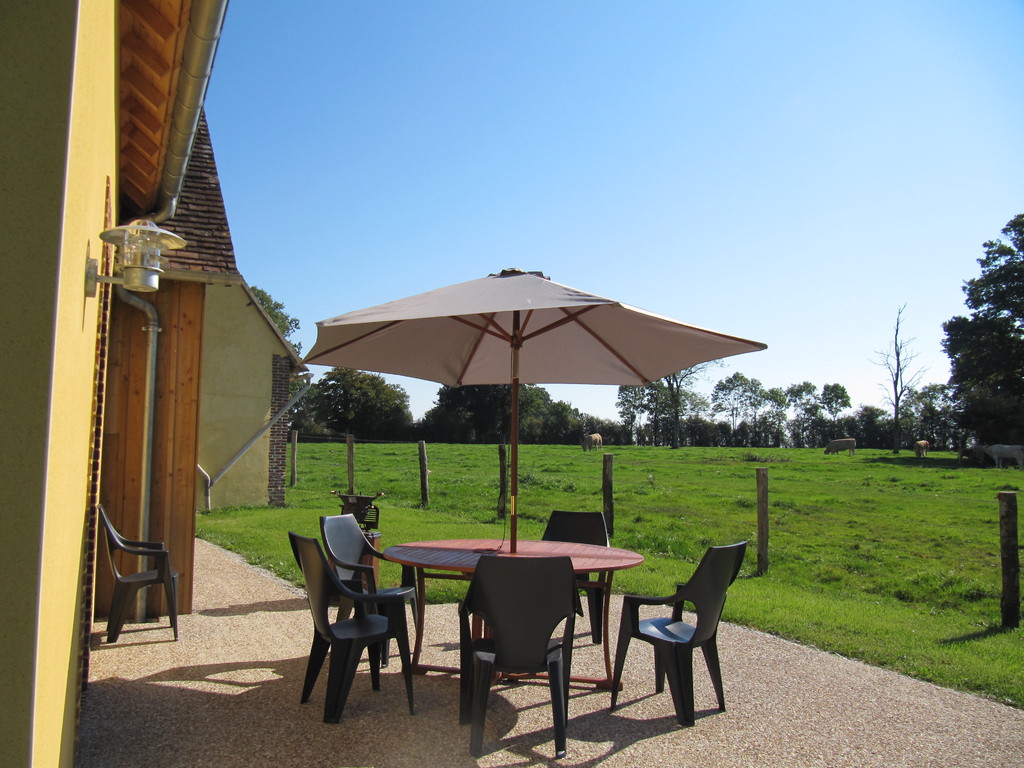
(517, 327)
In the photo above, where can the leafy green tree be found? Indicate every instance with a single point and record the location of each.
(772, 426)
(284, 322)
(730, 397)
(345, 401)
(679, 395)
(872, 427)
(802, 398)
(986, 348)
(933, 417)
(834, 400)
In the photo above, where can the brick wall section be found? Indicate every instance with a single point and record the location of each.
(282, 375)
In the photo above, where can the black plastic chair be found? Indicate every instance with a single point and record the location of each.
(584, 528)
(126, 587)
(673, 639)
(347, 549)
(345, 639)
(521, 601)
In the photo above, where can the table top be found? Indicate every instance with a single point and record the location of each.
(462, 554)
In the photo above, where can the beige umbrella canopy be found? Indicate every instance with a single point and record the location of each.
(517, 327)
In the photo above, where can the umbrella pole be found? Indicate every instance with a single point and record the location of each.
(514, 429)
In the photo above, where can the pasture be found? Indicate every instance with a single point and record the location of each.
(893, 560)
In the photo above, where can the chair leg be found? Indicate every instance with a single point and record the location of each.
(375, 654)
(171, 591)
(714, 669)
(659, 672)
(341, 672)
(481, 689)
(678, 664)
(317, 654)
(620, 660)
(402, 641)
(595, 604)
(120, 605)
(559, 711)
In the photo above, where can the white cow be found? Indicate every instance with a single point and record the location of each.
(592, 441)
(921, 448)
(999, 453)
(842, 444)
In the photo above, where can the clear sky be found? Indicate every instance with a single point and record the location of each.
(790, 172)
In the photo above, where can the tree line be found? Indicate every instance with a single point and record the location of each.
(983, 400)
(740, 412)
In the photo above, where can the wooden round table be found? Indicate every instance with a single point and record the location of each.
(457, 559)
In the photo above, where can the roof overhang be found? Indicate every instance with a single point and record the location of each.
(166, 57)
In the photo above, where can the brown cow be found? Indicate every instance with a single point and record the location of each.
(592, 441)
(921, 449)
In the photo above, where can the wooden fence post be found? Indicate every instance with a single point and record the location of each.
(502, 481)
(762, 520)
(1009, 555)
(424, 476)
(295, 453)
(350, 441)
(607, 485)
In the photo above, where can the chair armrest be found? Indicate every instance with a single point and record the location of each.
(357, 567)
(639, 600)
(144, 552)
(152, 545)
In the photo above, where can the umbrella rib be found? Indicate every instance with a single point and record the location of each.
(570, 317)
(358, 338)
(489, 327)
(575, 318)
(476, 345)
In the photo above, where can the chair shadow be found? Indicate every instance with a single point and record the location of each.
(239, 714)
(593, 727)
(267, 606)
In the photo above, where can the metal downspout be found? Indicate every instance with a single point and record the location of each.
(152, 328)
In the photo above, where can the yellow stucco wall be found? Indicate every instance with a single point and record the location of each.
(58, 150)
(238, 350)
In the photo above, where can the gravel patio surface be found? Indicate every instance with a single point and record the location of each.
(227, 694)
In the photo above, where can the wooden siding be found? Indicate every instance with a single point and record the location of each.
(175, 432)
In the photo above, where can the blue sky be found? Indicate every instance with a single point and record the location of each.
(790, 172)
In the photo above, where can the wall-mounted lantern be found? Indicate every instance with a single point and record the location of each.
(138, 256)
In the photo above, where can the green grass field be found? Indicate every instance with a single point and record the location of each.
(889, 559)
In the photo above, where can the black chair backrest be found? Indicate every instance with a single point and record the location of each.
(115, 541)
(344, 539)
(708, 586)
(578, 527)
(319, 585)
(523, 599)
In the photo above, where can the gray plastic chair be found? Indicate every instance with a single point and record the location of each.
(674, 639)
(347, 550)
(345, 639)
(584, 528)
(521, 601)
(126, 587)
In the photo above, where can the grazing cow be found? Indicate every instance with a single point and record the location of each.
(842, 444)
(592, 441)
(921, 449)
(999, 453)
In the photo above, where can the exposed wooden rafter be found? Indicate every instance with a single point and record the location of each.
(152, 35)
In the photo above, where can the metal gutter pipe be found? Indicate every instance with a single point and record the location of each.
(261, 432)
(206, 21)
(152, 328)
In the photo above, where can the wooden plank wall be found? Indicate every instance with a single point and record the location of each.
(175, 433)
